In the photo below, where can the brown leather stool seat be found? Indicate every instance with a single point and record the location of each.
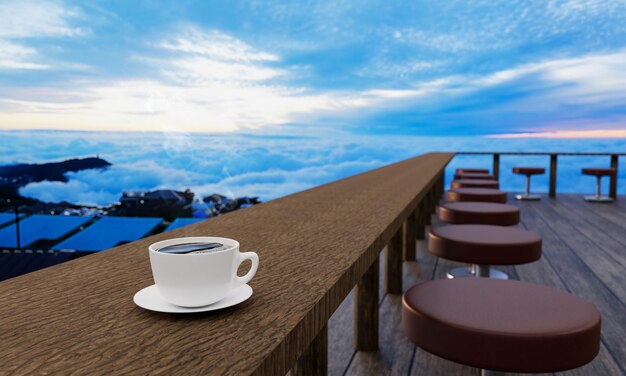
(473, 176)
(506, 326)
(599, 173)
(472, 171)
(476, 194)
(528, 171)
(479, 213)
(485, 245)
(463, 183)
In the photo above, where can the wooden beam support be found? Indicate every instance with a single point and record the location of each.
(613, 183)
(393, 264)
(366, 310)
(496, 166)
(427, 206)
(314, 361)
(420, 226)
(442, 185)
(553, 163)
(409, 238)
(433, 199)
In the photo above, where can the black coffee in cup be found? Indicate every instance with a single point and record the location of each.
(193, 248)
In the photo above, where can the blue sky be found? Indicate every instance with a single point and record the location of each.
(549, 68)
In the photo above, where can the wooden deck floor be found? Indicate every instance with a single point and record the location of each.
(584, 252)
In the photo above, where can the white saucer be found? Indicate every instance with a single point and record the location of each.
(149, 298)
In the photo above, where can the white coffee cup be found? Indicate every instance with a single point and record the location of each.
(195, 280)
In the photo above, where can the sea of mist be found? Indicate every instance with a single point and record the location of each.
(271, 166)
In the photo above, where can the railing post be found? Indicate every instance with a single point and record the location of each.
(442, 184)
(314, 361)
(427, 206)
(553, 162)
(366, 310)
(613, 184)
(393, 264)
(419, 221)
(439, 190)
(433, 199)
(409, 237)
(496, 166)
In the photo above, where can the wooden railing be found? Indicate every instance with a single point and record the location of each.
(553, 165)
(314, 247)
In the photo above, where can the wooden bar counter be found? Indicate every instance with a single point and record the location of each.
(314, 247)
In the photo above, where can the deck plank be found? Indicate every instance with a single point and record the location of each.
(597, 218)
(580, 280)
(597, 259)
(595, 221)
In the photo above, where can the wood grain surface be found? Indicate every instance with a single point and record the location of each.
(314, 246)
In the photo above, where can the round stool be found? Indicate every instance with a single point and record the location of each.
(473, 176)
(479, 213)
(474, 184)
(472, 171)
(476, 194)
(528, 171)
(599, 173)
(504, 326)
(483, 246)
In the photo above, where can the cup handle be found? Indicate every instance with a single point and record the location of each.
(255, 265)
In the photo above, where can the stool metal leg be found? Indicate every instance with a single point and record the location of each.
(473, 271)
(483, 271)
(527, 196)
(486, 372)
(598, 197)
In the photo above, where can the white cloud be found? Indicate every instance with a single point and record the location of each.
(215, 45)
(37, 18)
(17, 56)
(205, 88)
(213, 82)
(437, 41)
(91, 187)
(196, 71)
(595, 133)
(24, 19)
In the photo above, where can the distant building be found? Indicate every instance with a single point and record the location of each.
(161, 196)
(165, 203)
(223, 204)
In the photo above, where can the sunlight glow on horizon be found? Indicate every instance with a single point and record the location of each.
(594, 133)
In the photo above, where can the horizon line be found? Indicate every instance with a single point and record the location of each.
(567, 134)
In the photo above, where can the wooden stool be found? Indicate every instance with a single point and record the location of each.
(479, 213)
(472, 171)
(504, 326)
(483, 246)
(528, 171)
(476, 194)
(473, 176)
(599, 173)
(474, 184)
